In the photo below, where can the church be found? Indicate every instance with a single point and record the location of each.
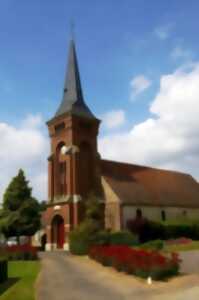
(75, 169)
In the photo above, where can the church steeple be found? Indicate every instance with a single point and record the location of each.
(73, 100)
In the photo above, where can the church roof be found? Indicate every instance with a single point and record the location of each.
(139, 185)
(73, 100)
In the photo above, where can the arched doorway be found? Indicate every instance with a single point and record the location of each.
(43, 241)
(57, 232)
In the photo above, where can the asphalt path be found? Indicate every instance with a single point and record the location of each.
(65, 277)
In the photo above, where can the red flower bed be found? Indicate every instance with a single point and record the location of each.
(135, 261)
(179, 241)
(20, 252)
(21, 248)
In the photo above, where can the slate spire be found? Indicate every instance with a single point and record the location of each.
(73, 100)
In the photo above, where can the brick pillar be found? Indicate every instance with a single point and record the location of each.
(75, 212)
(76, 196)
(69, 161)
(55, 178)
(49, 238)
(75, 163)
(66, 236)
(50, 180)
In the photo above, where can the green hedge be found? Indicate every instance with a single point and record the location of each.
(153, 245)
(150, 230)
(116, 238)
(82, 238)
(3, 270)
(123, 238)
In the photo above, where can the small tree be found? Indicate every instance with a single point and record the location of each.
(20, 214)
(94, 212)
(84, 235)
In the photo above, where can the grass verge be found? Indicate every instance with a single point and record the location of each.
(22, 276)
(182, 247)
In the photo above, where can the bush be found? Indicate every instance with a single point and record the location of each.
(149, 230)
(82, 237)
(3, 270)
(153, 245)
(102, 238)
(145, 229)
(123, 238)
(116, 238)
(139, 262)
(85, 235)
(20, 252)
(179, 241)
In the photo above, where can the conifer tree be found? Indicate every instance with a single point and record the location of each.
(20, 214)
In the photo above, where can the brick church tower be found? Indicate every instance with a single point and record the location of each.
(73, 163)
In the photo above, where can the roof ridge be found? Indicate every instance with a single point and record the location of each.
(148, 167)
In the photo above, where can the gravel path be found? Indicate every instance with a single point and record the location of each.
(65, 277)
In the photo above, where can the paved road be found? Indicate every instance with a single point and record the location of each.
(190, 262)
(64, 277)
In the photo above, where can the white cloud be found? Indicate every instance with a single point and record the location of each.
(24, 147)
(138, 85)
(170, 138)
(32, 121)
(181, 53)
(113, 119)
(163, 32)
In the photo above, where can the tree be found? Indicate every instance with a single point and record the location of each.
(94, 212)
(85, 234)
(20, 214)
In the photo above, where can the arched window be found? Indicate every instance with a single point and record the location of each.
(86, 168)
(62, 176)
(61, 171)
(163, 215)
(138, 213)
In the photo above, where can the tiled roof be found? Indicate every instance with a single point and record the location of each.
(139, 185)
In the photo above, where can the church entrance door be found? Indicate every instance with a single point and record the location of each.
(58, 232)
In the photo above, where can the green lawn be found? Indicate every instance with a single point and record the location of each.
(152, 245)
(22, 276)
(183, 247)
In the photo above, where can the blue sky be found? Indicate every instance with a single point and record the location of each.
(115, 42)
(124, 49)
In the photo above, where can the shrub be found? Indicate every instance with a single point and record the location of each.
(153, 245)
(102, 238)
(179, 241)
(82, 237)
(149, 230)
(20, 252)
(116, 238)
(3, 269)
(145, 229)
(139, 262)
(123, 238)
(85, 235)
